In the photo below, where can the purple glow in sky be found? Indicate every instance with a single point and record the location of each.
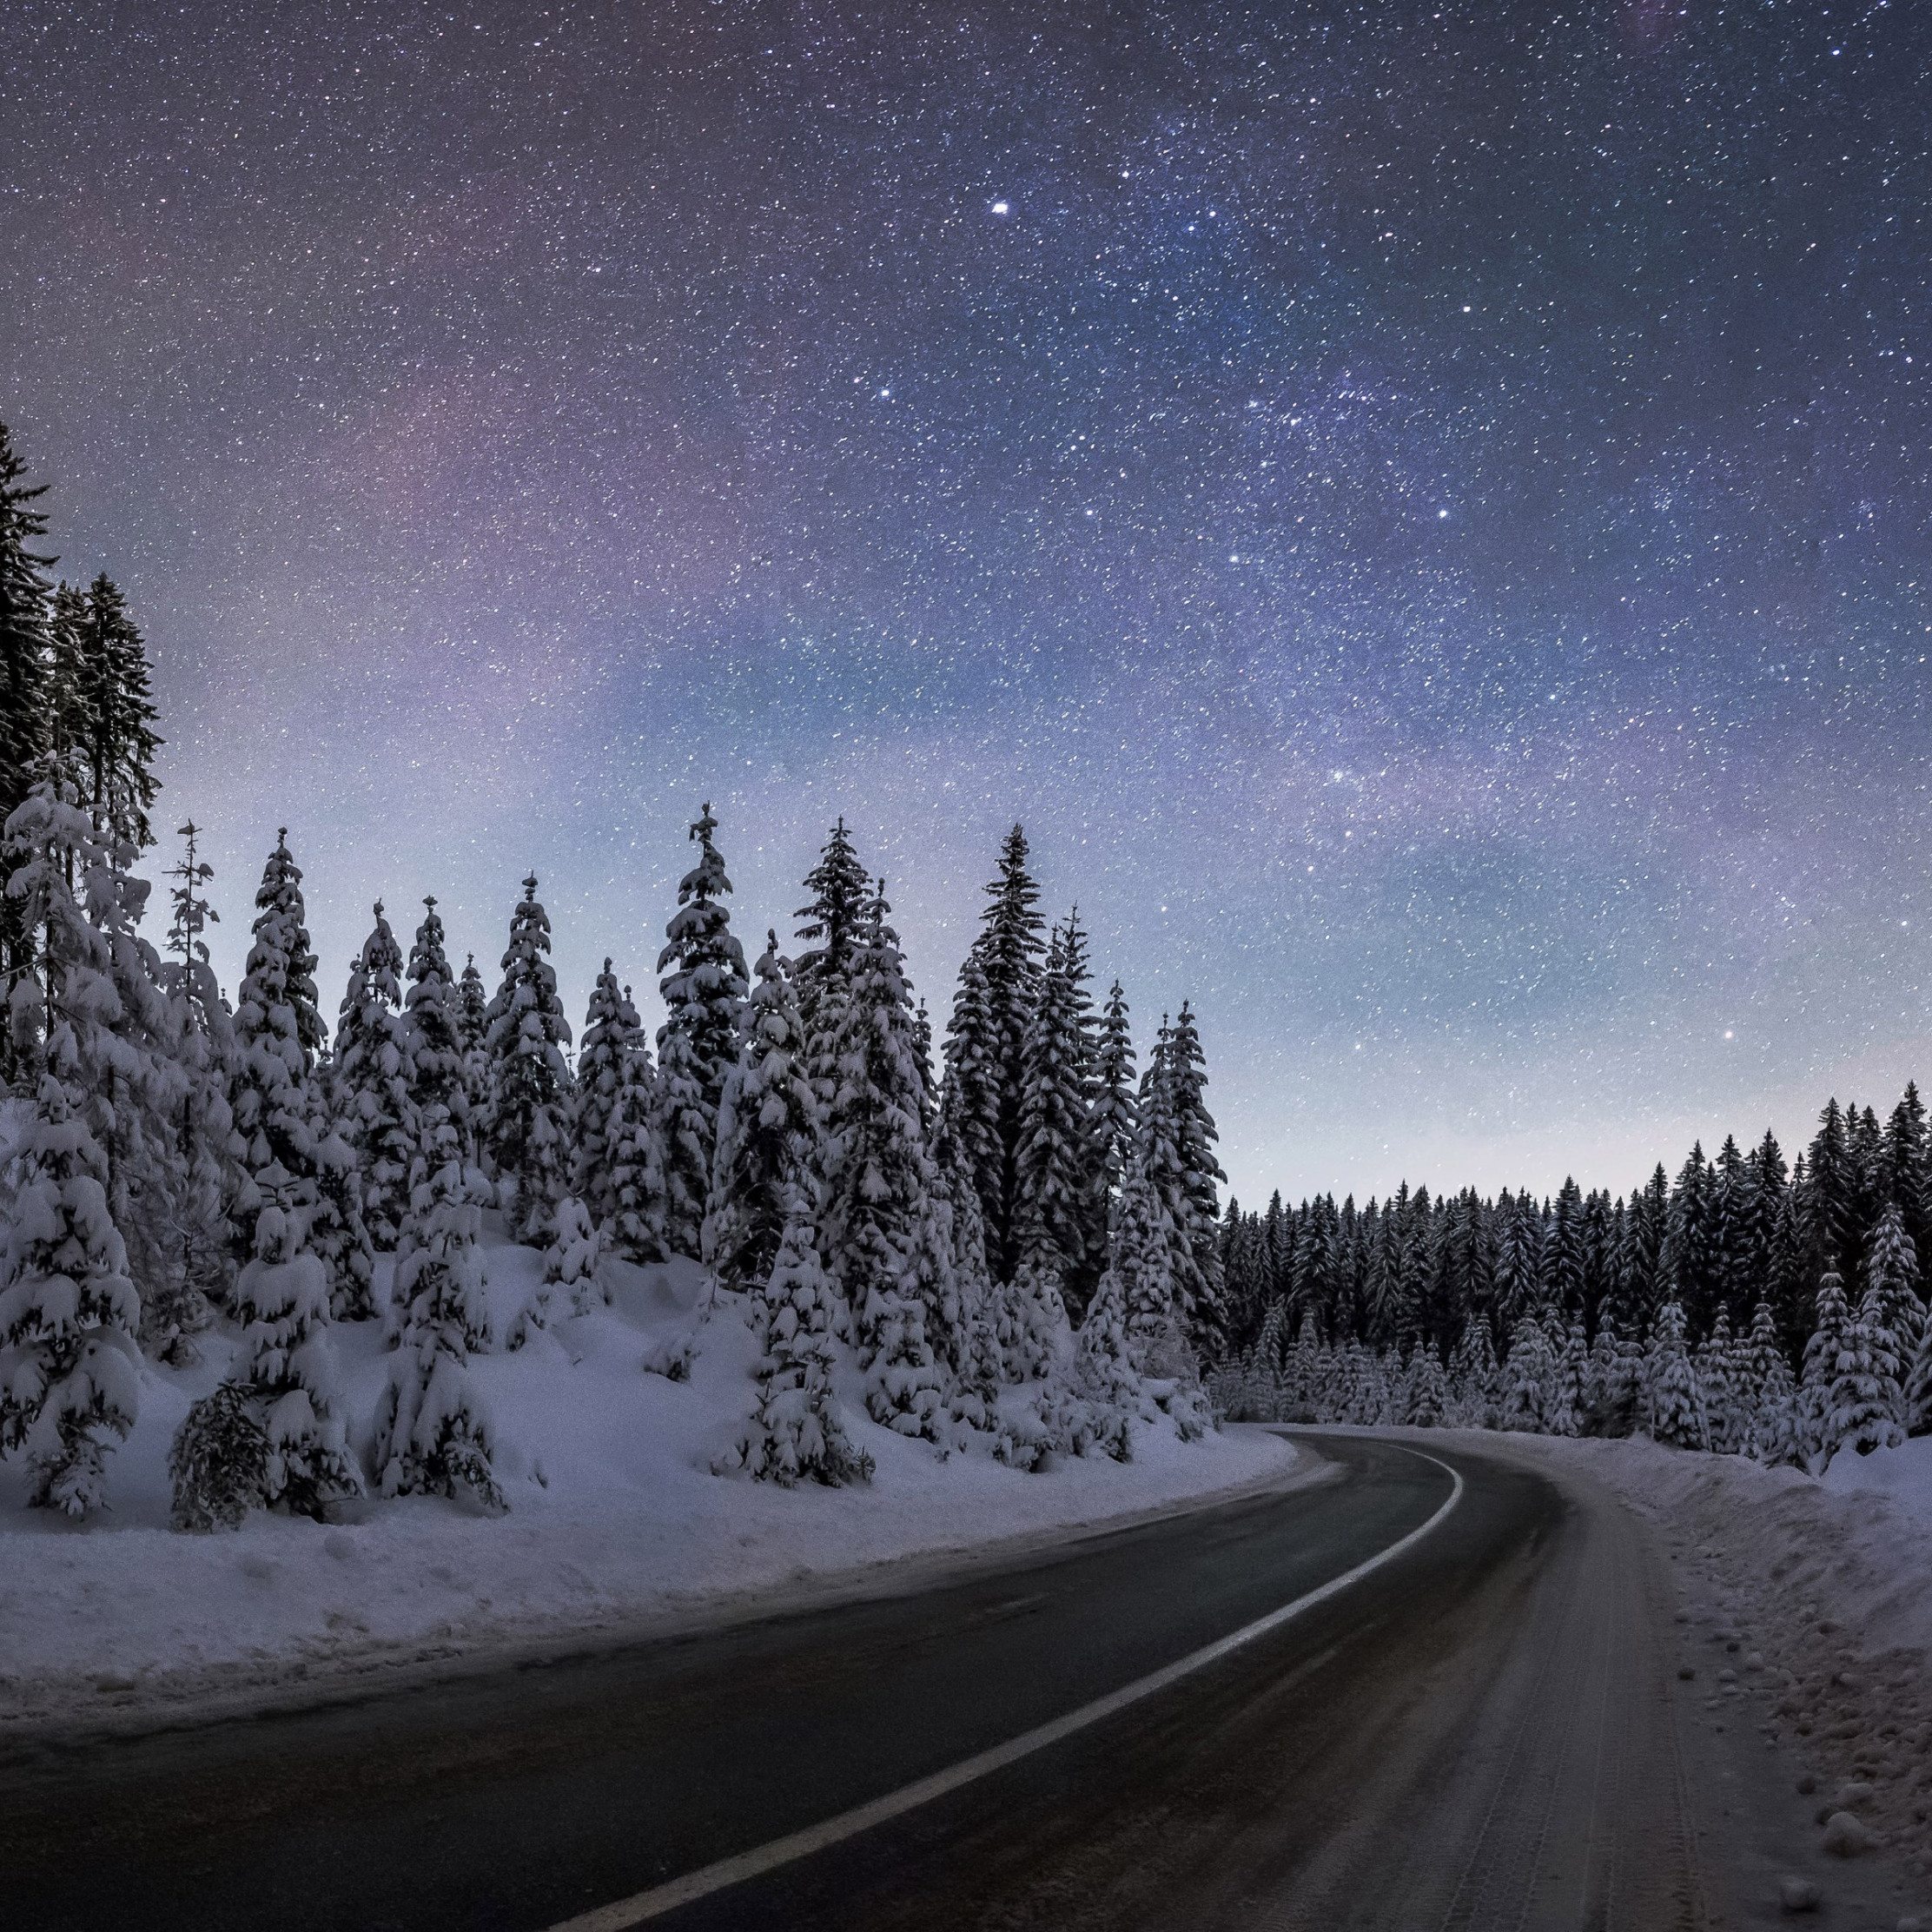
(1422, 513)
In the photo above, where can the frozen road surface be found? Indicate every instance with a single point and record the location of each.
(1471, 1719)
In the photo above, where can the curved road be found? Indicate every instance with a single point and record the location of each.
(1480, 1734)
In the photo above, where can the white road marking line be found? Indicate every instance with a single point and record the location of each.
(707, 1879)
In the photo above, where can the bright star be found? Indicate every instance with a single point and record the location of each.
(999, 207)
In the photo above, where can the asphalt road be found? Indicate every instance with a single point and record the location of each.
(1480, 1734)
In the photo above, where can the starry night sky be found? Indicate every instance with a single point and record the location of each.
(1421, 509)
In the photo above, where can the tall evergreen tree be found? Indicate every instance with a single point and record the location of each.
(119, 707)
(878, 1182)
(25, 588)
(797, 1431)
(208, 1149)
(703, 993)
(609, 1025)
(767, 1153)
(831, 923)
(986, 1045)
(370, 1083)
(433, 1029)
(527, 1137)
(473, 1027)
(1052, 1176)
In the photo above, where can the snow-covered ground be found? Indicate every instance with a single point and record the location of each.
(616, 1523)
(1814, 1596)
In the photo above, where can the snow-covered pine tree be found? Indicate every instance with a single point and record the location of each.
(1674, 1398)
(831, 925)
(1426, 1392)
(1725, 1413)
(1052, 1179)
(528, 1135)
(24, 706)
(1114, 1116)
(1572, 1374)
(284, 1370)
(632, 1209)
(610, 1022)
(131, 1087)
(879, 1177)
(207, 1149)
(1831, 1318)
(1195, 1135)
(1473, 1376)
(1863, 1404)
(703, 993)
(1917, 1406)
(1892, 1273)
(472, 1028)
(986, 1044)
(370, 1083)
(433, 1434)
(796, 1432)
(69, 1365)
(433, 1033)
(974, 1362)
(278, 1031)
(768, 1130)
(1529, 1378)
(117, 702)
(1775, 1436)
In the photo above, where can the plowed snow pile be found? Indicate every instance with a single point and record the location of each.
(615, 1521)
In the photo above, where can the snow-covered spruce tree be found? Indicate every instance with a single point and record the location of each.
(1139, 1276)
(279, 1111)
(879, 1177)
(24, 706)
(284, 1377)
(207, 1149)
(433, 1436)
(768, 1130)
(117, 702)
(986, 1044)
(1195, 1134)
(1572, 1374)
(527, 1137)
(1529, 1378)
(703, 992)
(831, 925)
(602, 1047)
(78, 905)
(570, 1263)
(69, 1365)
(1674, 1400)
(1917, 1404)
(1053, 1183)
(370, 1080)
(1473, 1376)
(1862, 1403)
(1724, 1412)
(1426, 1392)
(974, 1367)
(473, 1028)
(1892, 1273)
(796, 1432)
(1114, 1116)
(433, 1037)
(630, 1210)
(1776, 1435)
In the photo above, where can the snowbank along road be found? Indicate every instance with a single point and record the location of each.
(1485, 1728)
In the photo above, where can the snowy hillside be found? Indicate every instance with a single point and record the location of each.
(615, 1520)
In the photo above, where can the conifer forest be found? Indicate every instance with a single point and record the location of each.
(1011, 1225)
